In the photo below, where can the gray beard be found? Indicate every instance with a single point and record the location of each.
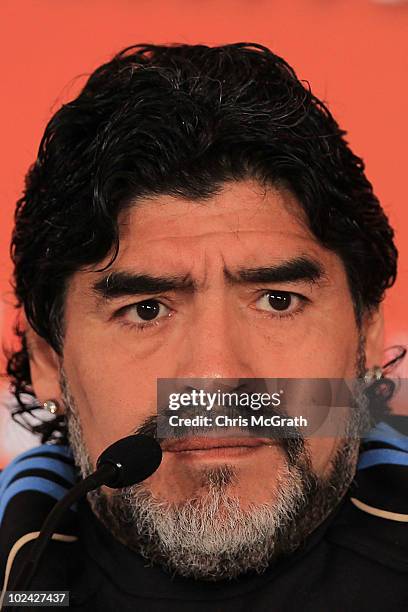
(210, 536)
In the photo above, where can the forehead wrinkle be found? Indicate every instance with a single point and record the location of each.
(236, 232)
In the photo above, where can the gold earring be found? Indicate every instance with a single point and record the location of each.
(51, 406)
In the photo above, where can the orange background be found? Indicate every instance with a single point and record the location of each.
(354, 53)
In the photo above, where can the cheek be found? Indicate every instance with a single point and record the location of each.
(112, 395)
(322, 451)
(330, 346)
(320, 349)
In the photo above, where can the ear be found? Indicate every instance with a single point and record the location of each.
(373, 329)
(44, 367)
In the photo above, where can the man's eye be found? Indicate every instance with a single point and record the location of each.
(146, 311)
(283, 302)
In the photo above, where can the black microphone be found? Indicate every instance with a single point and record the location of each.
(128, 461)
(124, 463)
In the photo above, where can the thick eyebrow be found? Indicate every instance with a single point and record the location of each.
(119, 284)
(294, 270)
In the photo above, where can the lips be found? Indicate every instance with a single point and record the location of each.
(203, 444)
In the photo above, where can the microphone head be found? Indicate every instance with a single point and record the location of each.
(136, 457)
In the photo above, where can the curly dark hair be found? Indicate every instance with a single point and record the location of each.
(182, 120)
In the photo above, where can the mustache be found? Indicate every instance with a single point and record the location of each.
(148, 428)
(294, 445)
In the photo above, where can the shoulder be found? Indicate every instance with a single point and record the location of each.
(374, 521)
(382, 471)
(29, 487)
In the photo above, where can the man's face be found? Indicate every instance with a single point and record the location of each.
(113, 353)
(233, 287)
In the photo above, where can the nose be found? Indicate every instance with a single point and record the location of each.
(216, 346)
